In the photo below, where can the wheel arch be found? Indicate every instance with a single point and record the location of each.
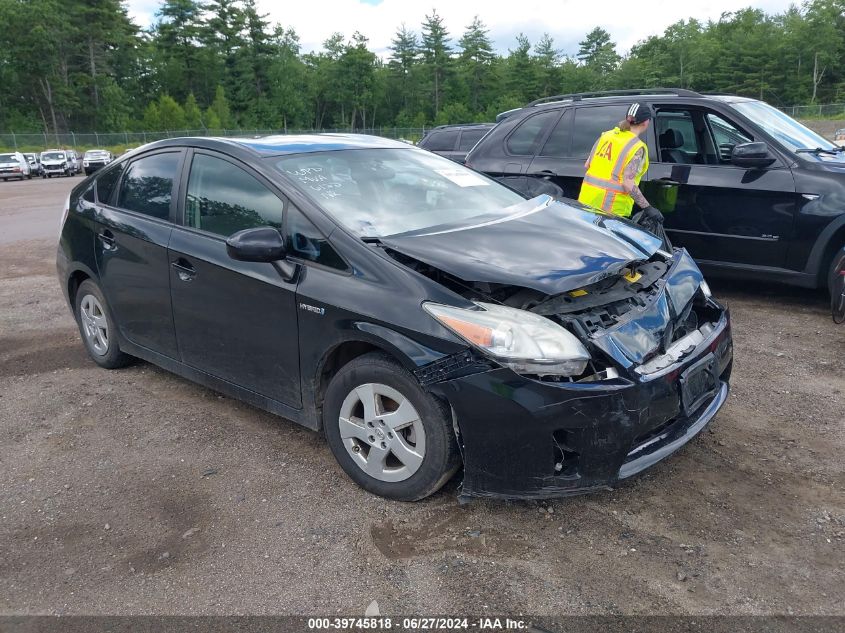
(829, 241)
(75, 278)
(365, 338)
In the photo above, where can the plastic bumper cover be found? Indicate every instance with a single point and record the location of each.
(523, 438)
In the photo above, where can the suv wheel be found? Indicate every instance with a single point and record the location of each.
(97, 328)
(837, 262)
(390, 436)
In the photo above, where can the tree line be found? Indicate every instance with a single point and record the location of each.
(83, 65)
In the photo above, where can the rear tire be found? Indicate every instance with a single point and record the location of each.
(97, 328)
(836, 264)
(389, 435)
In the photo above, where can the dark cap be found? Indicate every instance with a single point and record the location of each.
(637, 113)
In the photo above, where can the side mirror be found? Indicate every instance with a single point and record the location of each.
(263, 244)
(752, 155)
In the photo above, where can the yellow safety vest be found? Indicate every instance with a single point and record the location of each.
(602, 187)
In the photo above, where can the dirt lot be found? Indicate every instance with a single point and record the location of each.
(135, 491)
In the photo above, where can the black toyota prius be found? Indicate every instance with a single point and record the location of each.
(421, 315)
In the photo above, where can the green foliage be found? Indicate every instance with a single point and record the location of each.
(193, 114)
(77, 65)
(171, 116)
(219, 108)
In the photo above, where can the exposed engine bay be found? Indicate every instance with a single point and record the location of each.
(624, 304)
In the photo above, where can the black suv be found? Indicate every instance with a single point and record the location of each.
(455, 141)
(746, 189)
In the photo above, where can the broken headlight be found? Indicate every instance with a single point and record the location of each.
(526, 342)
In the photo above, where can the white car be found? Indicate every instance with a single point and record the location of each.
(57, 162)
(75, 160)
(94, 159)
(14, 165)
(839, 137)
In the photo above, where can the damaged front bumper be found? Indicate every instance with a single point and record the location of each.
(525, 437)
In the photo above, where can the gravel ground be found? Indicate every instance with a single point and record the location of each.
(137, 492)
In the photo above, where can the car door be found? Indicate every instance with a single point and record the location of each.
(134, 211)
(718, 211)
(234, 320)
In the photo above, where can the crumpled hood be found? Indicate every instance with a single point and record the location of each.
(545, 245)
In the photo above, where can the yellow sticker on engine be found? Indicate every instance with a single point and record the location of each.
(633, 276)
(577, 293)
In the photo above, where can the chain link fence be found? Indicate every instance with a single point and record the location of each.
(82, 141)
(121, 140)
(821, 111)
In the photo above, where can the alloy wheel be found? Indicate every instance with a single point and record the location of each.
(95, 326)
(382, 432)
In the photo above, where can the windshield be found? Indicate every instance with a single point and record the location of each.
(52, 156)
(784, 128)
(380, 192)
(94, 153)
(8, 158)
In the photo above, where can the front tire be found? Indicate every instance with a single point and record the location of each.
(389, 435)
(98, 330)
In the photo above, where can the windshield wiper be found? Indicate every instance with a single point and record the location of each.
(819, 150)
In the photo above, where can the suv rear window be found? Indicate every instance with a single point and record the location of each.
(523, 140)
(589, 125)
(469, 138)
(440, 141)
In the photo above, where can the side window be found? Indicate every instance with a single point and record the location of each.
(558, 143)
(441, 141)
(148, 185)
(469, 138)
(523, 139)
(677, 139)
(224, 199)
(305, 241)
(88, 196)
(107, 180)
(590, 123)
(726, 136)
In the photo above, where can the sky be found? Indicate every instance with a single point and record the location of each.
(567, 21)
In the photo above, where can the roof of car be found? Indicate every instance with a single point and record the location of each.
(620, 96)
(461, 125)
(304, 143)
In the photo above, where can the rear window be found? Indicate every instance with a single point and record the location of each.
(589, 125)
(469, 138)
(441, 141)
(148, 185)
(524, 139)
(107, 181)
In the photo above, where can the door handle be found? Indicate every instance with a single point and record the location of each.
(107, 238)
(184, 270)
(667, 182)
(546, 172)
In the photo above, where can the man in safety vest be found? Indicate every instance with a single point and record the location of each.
(616, 165)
